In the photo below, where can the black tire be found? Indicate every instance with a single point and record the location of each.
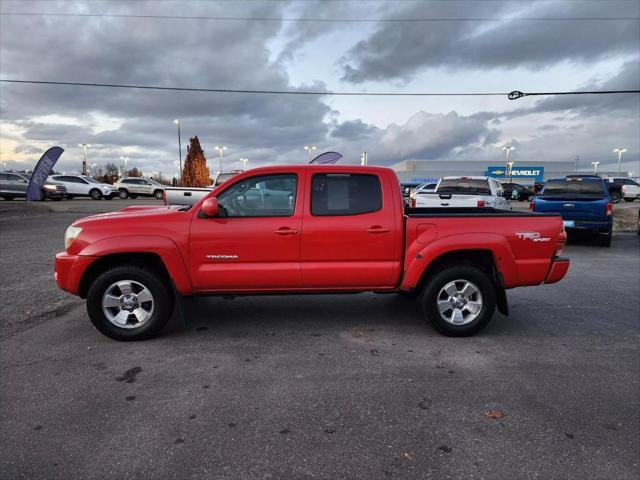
(616, 197)
(604, 239)
(95, 194)
(123, 194)
(629, 199)
(162, 294)
(159, 194)
(429, 299)
(8, 197)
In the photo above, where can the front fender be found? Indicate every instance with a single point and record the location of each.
(422, 257)
(164, 247)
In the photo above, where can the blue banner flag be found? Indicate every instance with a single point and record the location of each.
(41, 172)
(327, 157)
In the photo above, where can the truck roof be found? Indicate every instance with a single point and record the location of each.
(324, 168)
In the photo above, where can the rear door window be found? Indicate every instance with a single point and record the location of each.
(345, 194)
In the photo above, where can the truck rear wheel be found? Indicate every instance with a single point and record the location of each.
(129, 303)
(459, 301)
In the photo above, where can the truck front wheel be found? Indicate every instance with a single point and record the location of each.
(459, 301)
(129, 303)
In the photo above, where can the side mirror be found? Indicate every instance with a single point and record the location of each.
(210, 207)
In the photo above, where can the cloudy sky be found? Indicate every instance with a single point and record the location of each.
(513, 51)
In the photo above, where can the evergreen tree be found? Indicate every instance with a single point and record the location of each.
(195, 172)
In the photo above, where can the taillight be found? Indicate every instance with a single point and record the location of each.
(609, 209)
(562, 240)
(531, 206)
(413, 203)
(480, 203)
(164, 197)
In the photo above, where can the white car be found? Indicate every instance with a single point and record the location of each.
(84, 186)
(480, 192)
(139, 187)
(424, 189)
(630, 188)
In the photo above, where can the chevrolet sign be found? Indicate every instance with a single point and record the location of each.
(535, 173)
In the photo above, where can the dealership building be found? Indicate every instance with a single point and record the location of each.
(523, 172)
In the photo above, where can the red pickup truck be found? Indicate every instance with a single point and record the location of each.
(311, 229)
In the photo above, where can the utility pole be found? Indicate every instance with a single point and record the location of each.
(177, 122)
(363, 159)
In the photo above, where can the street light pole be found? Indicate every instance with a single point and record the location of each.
(510, 169)
(84, 151)
(309, 149)
(177, 122)
(244, 163)
(220, 149)
(619, 151)
(595, 166)
(126, 161)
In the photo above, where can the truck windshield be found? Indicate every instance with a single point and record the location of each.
(465, 185)
(560, 187)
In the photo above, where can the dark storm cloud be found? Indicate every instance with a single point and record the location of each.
(354, 130)
(399, 53)
(627, 79)
(187, 53)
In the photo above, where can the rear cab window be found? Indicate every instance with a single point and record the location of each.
(340, 194)
(469, 186)
(574, 187)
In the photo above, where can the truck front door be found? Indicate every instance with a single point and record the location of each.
(254, 244)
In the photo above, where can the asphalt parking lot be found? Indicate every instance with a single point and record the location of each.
(335, 386)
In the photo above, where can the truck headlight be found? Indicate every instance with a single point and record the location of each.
(70, 235)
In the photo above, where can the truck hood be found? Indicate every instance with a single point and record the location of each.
(144, 213)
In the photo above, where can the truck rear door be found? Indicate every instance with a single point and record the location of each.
(255, 242)
(349, 232)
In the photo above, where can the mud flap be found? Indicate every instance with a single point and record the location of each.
(501, 296)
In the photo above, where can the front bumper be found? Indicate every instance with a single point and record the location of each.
(558, 270)
(69, 269)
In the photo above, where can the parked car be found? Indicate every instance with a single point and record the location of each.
(407, 188)
(522, 193)
(583, 201)
(224, 176)
(629, 189)
(139, 187)
(306, 229)
(185, 195)
(14, 184)
(474, 191)
(84, 186)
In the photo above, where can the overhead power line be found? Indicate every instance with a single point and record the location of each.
(333, 20)
(511, 95)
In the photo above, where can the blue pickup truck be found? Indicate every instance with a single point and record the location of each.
(582, 200)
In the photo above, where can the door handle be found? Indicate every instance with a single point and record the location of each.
(286, 231)
(377, 229)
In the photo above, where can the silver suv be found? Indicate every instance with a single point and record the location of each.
(139, 187)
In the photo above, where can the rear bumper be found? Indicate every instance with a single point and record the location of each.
(69, 269)
(601, 226)
(558, 270)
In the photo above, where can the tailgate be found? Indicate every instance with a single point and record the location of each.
(572, 208)
(448, 200)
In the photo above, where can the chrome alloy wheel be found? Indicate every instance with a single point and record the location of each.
(459, 302)
(127, 304)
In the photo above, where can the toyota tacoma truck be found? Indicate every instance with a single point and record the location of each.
(306, 229)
